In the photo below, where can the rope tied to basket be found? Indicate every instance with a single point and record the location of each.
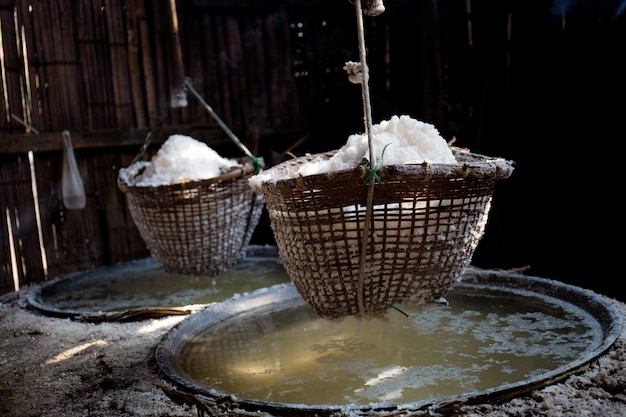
(251, 223)
(367, 110)
(150, 134)
(373, 172)
(199, 226)
(257, 164)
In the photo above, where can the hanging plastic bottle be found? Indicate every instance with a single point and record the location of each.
(72, 184)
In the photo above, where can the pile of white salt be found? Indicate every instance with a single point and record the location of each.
(404, 140)
(180, 159)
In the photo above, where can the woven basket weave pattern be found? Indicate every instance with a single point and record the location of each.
(197, 227)
(425, 224)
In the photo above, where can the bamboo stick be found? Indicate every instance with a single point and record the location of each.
(226, 63)
(211, 84)
(159, 18)
(118, 57)
(17, 201)
(147, 64)
(134, 67)
(175, 62)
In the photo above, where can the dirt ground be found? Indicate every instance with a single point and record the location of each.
(61, 367)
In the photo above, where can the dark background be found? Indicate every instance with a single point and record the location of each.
(542, 84)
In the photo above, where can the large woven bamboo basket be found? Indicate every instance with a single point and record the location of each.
(196, 227)
(425, 224)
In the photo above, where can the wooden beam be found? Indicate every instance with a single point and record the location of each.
(212, 135)
(263, 3)
(52, 141)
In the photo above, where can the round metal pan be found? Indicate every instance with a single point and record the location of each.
(140, 289)
(602, 315)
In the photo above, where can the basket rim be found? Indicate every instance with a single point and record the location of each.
(245, 167)
(471, 165)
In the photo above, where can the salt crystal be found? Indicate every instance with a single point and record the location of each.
(409, 140)
(182, 158)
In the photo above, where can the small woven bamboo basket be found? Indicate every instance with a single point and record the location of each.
(195, 227)
(425, 223)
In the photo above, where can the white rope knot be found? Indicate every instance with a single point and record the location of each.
(371, 7)
(355, 72)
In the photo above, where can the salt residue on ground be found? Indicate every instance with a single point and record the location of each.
(57, 367)
(182, 158)
(409, 141)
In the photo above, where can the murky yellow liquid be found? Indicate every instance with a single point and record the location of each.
(483, 339)
(144, 285)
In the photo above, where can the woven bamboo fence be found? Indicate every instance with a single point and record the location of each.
(272, 70)
(104, 71)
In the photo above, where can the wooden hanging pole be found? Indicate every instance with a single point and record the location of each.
(373, 8)
(178, 96)
(225, 128)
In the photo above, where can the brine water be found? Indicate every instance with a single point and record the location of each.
(483, 338)
(143, 284)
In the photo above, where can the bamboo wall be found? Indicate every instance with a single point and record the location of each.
(104, 71)
(504, 77)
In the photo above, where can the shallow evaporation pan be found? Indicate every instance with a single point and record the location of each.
(140, 289)
(500, 335)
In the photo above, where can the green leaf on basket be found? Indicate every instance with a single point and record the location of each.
(372, 172)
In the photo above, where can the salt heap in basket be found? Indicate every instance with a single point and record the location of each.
(429, 211)
(409, 140)
(180, 159)
(193, 207)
